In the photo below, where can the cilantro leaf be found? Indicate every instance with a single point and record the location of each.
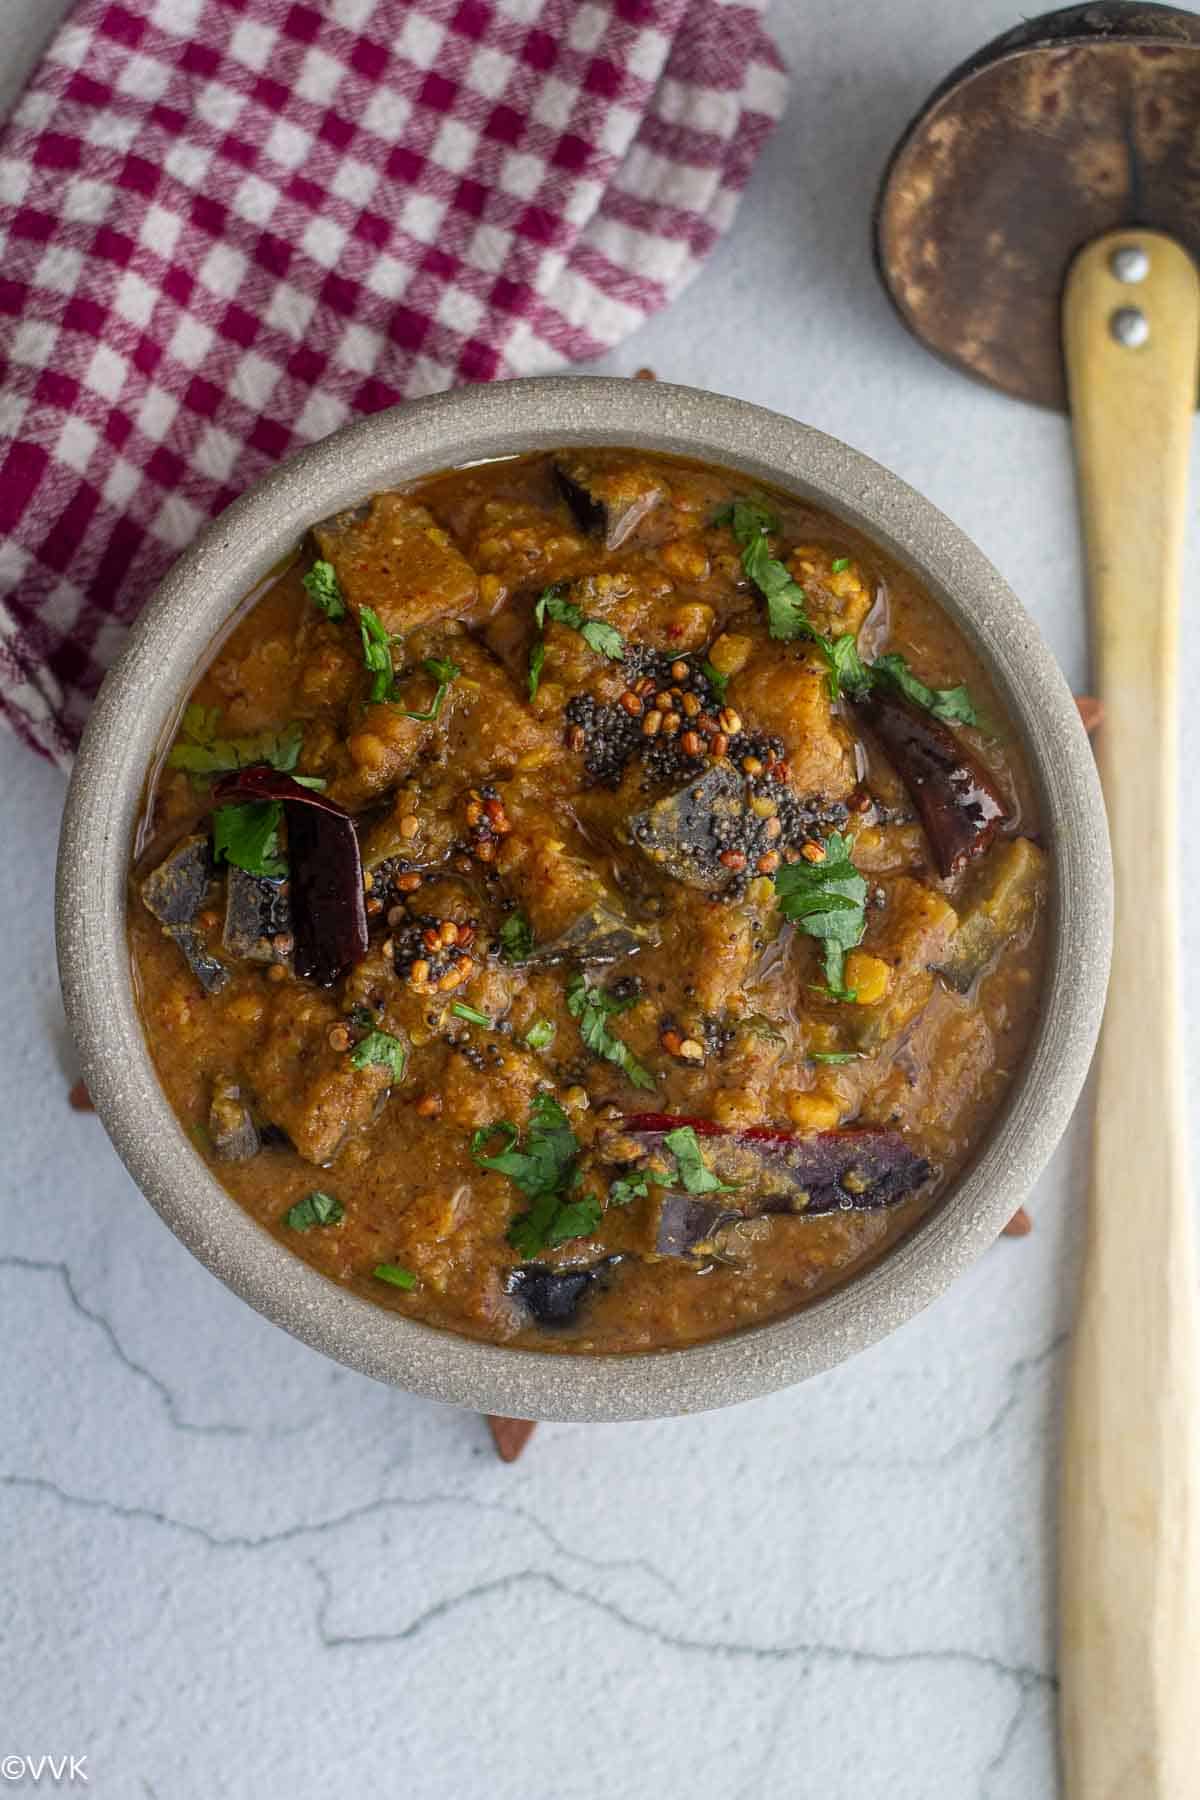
(838, 564)
(545, 1171)
(846, 667)
(747, 519)
(537, 661)
(627, 1188)
(395, 1276)
(604, 638)
(246, 833)
(591, 1007)
(315, 1209)
(552, 604)
(516, 938)
(541, 1034)
(694, 1172)
(443, 671)
(461, 1010)
(826, 899)
(546, 1161)
(380, 1049)
(787, 602)
(323, 589)
(377, 652)
(716, 681)
(951, 705)
(201, 750)
(552, 1220)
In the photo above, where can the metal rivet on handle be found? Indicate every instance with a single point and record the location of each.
(1130, 327)
(1130, 263)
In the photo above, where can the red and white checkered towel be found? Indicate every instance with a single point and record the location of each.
(227, 226)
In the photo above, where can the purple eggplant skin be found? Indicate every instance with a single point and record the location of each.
(258, 917)
(329, 919)
(685, 1222)
(608, 503)
(957, 800)
(858, 1169)
(552, 1297)
(234, 1134)
(175, 892)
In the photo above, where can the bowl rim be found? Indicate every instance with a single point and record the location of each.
(144, 692)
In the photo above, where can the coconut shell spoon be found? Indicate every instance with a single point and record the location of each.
(1037, 228)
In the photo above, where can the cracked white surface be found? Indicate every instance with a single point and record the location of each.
(231, 1568)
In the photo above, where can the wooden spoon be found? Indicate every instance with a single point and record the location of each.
(1037, 228)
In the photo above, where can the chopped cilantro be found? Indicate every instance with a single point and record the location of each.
(826, 899)
(543, 1166)
(627, 1188)
(605, 639)
(461, 1010)
(322, 587)
(747, 519)
(201, 750)
(591, 1007)
(377, 652)
(395, 1276)
(315, 1209)
(541, 1034)
(546, 1173)
(846, 667)
(380, 1049)
(716, 681)
(952, 705)
(246, 833)
(694, 1172)
(537, 659)
(787, 619)
(516, 938)
(787, 602)
(443, 671)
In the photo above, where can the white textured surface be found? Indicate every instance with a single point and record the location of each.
(231, 1569)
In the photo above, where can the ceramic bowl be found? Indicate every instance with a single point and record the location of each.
(140, 700)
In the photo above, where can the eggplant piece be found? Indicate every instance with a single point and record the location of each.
(608, 501)
(1004, 899)
(957, 801)
(685, 1222)
(856, 1169)
(329, 920)
(175, 892)
(552, 1297)
(684, 834)
(234, 1134)
(598, 936)
(258, 915)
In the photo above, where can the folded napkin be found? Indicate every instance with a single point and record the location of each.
(227, 226)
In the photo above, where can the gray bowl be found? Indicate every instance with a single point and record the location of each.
(144, 692)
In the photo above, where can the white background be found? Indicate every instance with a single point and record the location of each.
(232, 1568)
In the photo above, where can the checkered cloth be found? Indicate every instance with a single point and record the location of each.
(227, 226)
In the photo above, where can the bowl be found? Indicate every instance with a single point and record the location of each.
(141, 698)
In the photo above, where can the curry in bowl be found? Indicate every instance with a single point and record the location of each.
(589, 903)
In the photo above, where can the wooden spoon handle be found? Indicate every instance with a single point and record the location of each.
(1130, 1507)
